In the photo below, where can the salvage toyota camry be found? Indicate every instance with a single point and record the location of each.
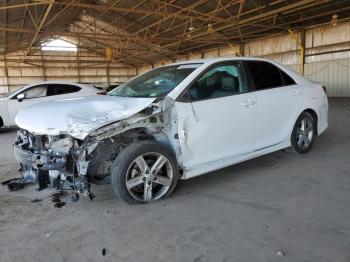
(176, 121)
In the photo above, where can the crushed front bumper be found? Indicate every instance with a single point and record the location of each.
(43, 160)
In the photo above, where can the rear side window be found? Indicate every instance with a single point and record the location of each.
(287, 80)
(266, 75)
(59, 89)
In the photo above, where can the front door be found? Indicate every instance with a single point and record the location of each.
(216, 116)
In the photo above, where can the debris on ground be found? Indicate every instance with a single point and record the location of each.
(91, 196)
(60, 204)
(50, 234)
(56, 198)
(36, 200)
(201, 258)
(280, 253)
(14, 184)
(75, 197)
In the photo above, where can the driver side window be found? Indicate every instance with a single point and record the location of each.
(222, 80)
(35, 92)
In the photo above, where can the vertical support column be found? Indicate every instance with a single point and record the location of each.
(5, 51)
(302, 51)
(43, 65)
(300, 43)
(78, 57)
(241, 49)
(6, 72)
(238, 52)
(108, 51)
(108, 74)
(78, 61)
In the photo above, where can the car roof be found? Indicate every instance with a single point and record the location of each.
(63, 82)
(60, 82)
(220, 59)
(209, 61)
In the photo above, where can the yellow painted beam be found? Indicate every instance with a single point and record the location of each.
(302, 50)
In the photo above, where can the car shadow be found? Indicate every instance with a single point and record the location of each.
(229, 175)
(5, 130)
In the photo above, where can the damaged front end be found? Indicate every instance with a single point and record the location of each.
(65, 163)
(52, 161)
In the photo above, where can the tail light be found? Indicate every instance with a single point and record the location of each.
(103, 93)
(324, 89)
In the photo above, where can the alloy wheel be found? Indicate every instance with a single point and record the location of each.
(305, 133)
(149, 177)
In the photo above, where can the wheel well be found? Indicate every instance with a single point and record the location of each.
(314, 115)
(108, 148)
(138, 134)
(1, 122)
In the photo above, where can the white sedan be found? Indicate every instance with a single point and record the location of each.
(39, 92)
(177, 121)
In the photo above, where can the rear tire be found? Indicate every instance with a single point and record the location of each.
(144, 171)
(304, 132)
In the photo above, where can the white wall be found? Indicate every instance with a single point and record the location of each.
(331, 69)
(52, 65)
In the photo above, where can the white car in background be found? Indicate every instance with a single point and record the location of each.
(177, 121)
(37, 93)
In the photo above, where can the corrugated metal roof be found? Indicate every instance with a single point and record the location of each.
(145, 31)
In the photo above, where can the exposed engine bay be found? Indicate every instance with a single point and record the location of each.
(69, 164)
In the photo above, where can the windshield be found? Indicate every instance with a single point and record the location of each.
(155, 83)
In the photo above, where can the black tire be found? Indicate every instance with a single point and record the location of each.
(303, 148)
(127, 156)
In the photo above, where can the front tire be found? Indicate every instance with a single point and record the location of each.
(303, 134)
(144, 171)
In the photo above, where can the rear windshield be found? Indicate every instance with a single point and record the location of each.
(155, 83)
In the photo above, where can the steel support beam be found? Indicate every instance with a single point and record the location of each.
(7, 7)
(128, 10)
(41, 23)
(300, 43)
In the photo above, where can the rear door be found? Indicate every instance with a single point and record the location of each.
(216, 116)
(278, 102)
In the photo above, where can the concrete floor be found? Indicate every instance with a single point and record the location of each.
(299, 205)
